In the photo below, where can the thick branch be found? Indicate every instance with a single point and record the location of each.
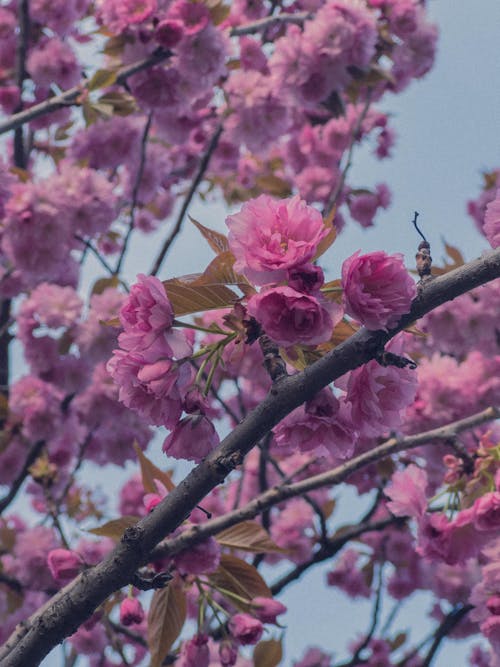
(75, 603)
(70, 97)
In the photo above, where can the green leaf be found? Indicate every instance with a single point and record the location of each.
(150, 472)
(115, 528)
(101, 79)
(268, 653)
(217, 241)
(241, 578)
(187, 298)
(248, 536)
(166, 618)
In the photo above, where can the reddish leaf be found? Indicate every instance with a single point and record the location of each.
(187, 297)
(166, 618)
(150, 472)
(115, 528)
(248, 536)
(237, 576)
(217, 241)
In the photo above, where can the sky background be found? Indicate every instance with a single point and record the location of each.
(448, 133)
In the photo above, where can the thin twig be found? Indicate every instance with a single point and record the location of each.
(135, 193)
(269, 21)
(17, 483)
(448, 624)
(20, 155)
(203, 166)
(332, 200)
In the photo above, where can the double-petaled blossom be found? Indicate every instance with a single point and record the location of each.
(378, 290)
(270, 237)
(193, 438)
(148, 367)
(293, 318)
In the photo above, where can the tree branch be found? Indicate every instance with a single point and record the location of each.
(70, 96)
(61, 615)
(269, 21)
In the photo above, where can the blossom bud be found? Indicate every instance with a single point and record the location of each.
(266, 609)
(63, 564)
(245, 628)
(131, 611)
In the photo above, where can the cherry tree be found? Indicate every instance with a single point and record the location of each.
(249, 397)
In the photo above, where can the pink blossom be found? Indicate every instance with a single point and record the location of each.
(131, 612)
(348, 576)
(53, 61)
(487, 512)
(322, 424)
(64, 565)
(202, 58)
(292, 318)
(259, 115)
(151, 382)
(169, 32)
(377, 289)
(193, 16)
(37, 405)
(193, 438)
(378, 396)
(363, 207)
(267, 609)
(407, 492)
(314, 657)
(269, 237)
(121, 136)
(491, 226)
(195, 652)
(202, 558)
(147, 311)
(117, 15)
(245, 628)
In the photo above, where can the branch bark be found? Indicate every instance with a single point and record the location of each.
(61, 615)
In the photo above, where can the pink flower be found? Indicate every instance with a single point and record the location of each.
(491, 227)
(378, 396)
(322, 424)
(53, 61)
(292, 318)
(193, 438)
(64, 565)
(151, 382)
(131, 611)
(487, 512)
(169, 32)
(269, 237)
(407, 492)
(194, 16)
(147, 312)
(245, 628)
(202, 558)
(267, 609)
(194, 652)
(377, 289)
